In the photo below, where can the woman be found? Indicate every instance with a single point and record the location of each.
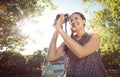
(81, 48)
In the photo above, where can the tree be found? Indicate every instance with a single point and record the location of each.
(11, 39)
(34, 63)
(107, 23)
(11, 11)
(12, 63)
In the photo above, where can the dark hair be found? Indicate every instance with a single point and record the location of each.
(81, 15)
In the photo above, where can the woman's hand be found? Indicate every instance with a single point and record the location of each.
(60, 22)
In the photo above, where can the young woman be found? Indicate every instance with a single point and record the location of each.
(81, 48)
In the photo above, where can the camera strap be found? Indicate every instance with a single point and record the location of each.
(66, 27)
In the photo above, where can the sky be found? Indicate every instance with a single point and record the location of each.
(40, 29)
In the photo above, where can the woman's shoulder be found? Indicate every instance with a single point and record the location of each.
(95, 35)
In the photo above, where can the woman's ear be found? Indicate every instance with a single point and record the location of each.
(84, 21)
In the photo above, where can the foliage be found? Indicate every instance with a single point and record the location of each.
(107, 23)
(11, 39)
(11, 11)
(10, 61)
(15, 64)
(34, 63)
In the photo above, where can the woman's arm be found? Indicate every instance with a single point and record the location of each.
(79, 50)
(54, 52)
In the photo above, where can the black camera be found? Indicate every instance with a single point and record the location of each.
(65, 15)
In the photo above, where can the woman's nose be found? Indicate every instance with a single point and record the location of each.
(73, 22)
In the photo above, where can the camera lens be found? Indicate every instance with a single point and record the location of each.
(58, 16)
(65, 15)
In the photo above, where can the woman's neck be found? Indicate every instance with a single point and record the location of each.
(80, 32)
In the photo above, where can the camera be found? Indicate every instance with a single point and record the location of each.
(65, 15)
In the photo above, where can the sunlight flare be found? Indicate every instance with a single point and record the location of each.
(37, 31)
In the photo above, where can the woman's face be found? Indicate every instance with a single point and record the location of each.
(76, 22)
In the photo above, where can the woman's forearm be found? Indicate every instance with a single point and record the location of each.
(72, 44)
(52, 47)
(79, 50)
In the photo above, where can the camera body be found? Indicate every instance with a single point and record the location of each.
(65, 15)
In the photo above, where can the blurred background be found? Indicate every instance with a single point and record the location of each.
(26, 28)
